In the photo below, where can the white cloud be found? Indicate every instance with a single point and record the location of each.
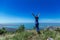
(15, 20)
(26, 20)
(49, 21)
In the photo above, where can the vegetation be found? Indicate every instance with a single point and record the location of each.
(20, 29)
(3, 31)
(57, 29)
(23, 34)
(32, 35)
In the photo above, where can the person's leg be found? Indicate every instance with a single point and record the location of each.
(38, 30)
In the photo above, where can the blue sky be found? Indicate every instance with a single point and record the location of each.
(18, 11)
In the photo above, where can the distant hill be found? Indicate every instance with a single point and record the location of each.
(1, 26)
(10, 29)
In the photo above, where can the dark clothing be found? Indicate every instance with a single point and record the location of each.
(36, 20)
(37, 24)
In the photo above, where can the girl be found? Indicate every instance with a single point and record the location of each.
(36, 23)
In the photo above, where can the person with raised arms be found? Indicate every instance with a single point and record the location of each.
(36, 22)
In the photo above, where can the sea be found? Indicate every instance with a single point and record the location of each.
(30, 25)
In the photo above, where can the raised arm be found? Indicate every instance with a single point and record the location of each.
(33, 14)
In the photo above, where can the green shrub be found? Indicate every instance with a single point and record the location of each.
(21, 28)
(57, 29)
(3, 31)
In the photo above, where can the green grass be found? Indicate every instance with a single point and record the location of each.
(32, 35)
(22, 34)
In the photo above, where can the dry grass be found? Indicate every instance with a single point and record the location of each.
(32, 35)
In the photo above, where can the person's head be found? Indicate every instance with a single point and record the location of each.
(36, 16)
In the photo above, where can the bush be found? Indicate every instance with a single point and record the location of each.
(3, 31)
(21, 28)
(58, 30)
